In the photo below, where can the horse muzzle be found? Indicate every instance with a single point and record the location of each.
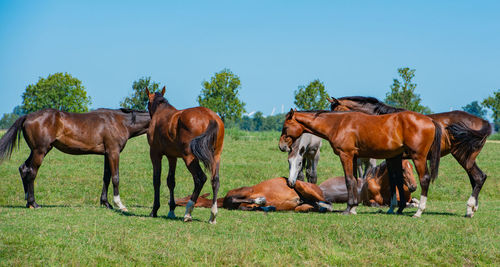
(284, 147)
(412, 188)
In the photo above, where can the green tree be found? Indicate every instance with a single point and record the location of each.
(402, 94)
(7, 120)
(60, 91)
(475, 109)
(139, 99)
(311, 97)
(221, 95)
(493, 103)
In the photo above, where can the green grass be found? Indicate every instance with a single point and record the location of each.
(495, 136)
(72, 229)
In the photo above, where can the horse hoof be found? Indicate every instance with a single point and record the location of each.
(346, 212)
(470, 215)
(416, 216)
(214, 221)
(153, 214)
(32, 206)
(107, 205)
(124, 209)
(188, 218)
(171, 215)
(390, 211)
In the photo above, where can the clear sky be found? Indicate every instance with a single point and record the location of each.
(354, 47)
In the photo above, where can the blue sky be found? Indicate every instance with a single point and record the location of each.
(354, 47)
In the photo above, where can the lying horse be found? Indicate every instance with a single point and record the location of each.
(273, 193)
(103, 132)
(374, 190)
(354, 134)
(464, 138)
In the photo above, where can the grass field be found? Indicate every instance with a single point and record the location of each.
(72, 229)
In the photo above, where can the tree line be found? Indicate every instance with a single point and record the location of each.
(221, 94)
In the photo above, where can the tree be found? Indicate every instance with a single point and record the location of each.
(311, 97)
(59, 91)
(221, 95)
(493, 103)
(402, 94)
(139, 99)
(475, 109)
(7, 120)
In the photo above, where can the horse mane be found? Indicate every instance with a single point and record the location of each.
(378, 106)
(375, 171)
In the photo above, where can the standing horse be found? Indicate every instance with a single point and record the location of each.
(353, 134)
(193, 134)
(374, 190)
(464, 137)
(305, 154)
(103, 132)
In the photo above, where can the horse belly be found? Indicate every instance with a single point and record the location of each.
(77, 147)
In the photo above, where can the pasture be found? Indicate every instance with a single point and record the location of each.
(72, 229)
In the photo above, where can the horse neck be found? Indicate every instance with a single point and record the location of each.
(316, 124)
(138, 125)
(355, 106)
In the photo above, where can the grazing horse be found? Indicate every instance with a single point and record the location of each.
(272, 194)
(374, 190)
(464, 137)
(103, 132)
(193, 134)
(354, 134)
(305, 154)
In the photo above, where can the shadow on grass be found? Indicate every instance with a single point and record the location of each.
(131, 214)
(41, 206)
(410, 213)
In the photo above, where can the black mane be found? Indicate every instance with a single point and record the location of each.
(378, 106)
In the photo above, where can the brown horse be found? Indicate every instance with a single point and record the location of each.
(273, 194)
(193, 134)
(353, 134)
(103, 132)
(464, 137)
(374, 190)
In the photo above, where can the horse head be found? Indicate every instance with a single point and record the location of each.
(408, 177)
(291, 131)
(155, 99)
(336, 105)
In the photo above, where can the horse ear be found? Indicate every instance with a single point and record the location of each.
(163, 91)
(290, 114)
(147, 91)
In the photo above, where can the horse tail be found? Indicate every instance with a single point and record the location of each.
(467, 141)
(8, 140)
(435, 151)
(203, 146)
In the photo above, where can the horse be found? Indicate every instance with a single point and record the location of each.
(193, 134)
(374, 190)
(305, 154)
(102, 132)
(354, 134)
(270, 195)
(365, 165)
(464, 137)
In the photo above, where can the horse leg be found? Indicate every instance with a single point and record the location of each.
(172, 164)
(300, 175)
(156, 161)
(395, 170)
(106, 179)
(351, 183)
(199, 178)
(29, 171)
(113, 160)
(477, 179)
(312, 169)
(424, 177)
(215, 189)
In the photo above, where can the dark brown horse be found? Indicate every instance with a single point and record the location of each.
(273, 194)
(103, 132)
(374, 190)
(464, 137)
(354, 134)
(193, 134)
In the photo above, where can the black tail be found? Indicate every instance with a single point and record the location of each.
(466, 141)
(203, 146)
(435, 152)
(8, 141)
